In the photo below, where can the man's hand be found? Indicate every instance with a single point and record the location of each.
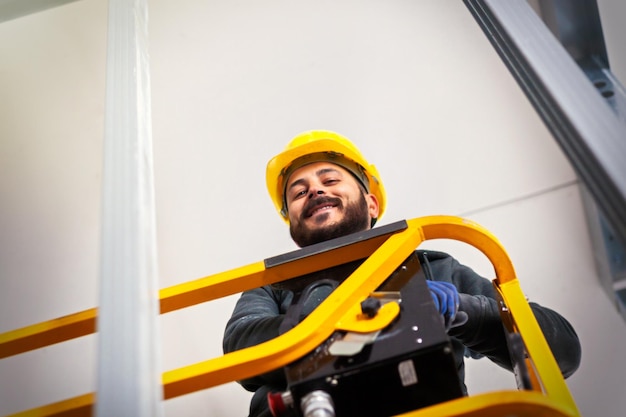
(446, 298)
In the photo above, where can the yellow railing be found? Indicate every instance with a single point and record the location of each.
(549, 395)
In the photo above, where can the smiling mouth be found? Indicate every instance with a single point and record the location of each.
(321, 206)
(320, 209)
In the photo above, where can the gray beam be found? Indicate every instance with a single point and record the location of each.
(558, 56)
(577, 26)
(589, 132)
(13, 9)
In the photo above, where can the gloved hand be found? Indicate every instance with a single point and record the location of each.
(446, 298)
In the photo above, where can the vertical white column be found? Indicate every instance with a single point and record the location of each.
(129, 374)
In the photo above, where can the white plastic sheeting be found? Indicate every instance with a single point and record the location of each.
(129, 374)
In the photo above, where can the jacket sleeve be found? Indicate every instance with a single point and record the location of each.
(256, 319)
(484, 332)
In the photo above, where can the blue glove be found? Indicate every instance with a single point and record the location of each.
(446, 298)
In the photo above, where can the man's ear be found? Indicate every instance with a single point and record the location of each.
(372, 205)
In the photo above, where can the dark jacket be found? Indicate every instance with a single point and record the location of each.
(258, 315)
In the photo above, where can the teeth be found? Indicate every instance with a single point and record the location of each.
(322, 208)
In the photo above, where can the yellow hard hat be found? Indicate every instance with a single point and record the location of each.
(318, 146)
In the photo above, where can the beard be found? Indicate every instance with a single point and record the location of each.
(355, 219)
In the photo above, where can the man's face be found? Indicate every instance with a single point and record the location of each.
(325, 201)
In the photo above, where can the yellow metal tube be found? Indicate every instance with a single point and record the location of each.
(310, 333)
(184, 295)
(539, 352)
(385, 254)
(457, 228)
(47, 333)
(81, 406)
(496, 404)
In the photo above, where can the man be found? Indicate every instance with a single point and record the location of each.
(324, 188)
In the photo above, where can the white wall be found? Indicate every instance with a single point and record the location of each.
(415, 84)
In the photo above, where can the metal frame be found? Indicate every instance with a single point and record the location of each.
(562, 66)
(588, 130)
(385, 250)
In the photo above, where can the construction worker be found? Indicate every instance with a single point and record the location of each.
(324, 188)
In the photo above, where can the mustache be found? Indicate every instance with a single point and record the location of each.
(311, 204)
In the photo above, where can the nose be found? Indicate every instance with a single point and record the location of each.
(314, 192)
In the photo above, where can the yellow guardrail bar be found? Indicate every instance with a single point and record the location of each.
(549, 396)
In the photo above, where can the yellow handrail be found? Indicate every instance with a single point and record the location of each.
(384, 254)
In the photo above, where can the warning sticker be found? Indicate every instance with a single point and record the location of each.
(406, 369)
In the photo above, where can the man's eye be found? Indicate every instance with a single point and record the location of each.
(298, 194)
(331, 181)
